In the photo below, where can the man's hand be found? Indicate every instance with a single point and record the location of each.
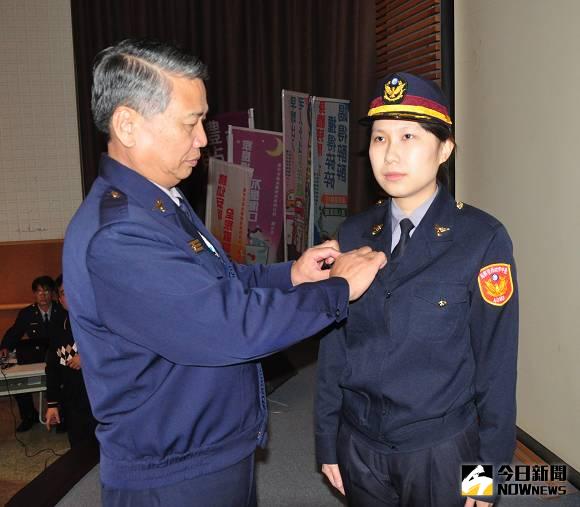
(333, 475)
(308, 268)
(52, 417)
(470, 502)
(74, 362)
(359, 268)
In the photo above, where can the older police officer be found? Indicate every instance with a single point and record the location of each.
(168, 326)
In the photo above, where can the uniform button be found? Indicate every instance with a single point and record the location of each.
(337, 313)
(388, 295)
(384, 411)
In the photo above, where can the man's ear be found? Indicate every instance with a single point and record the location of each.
(124, 125)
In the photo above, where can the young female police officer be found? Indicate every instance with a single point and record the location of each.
(422, 377)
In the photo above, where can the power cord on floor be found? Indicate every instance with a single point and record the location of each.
(24, 445)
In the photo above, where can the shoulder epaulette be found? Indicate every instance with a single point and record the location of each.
(113, 206)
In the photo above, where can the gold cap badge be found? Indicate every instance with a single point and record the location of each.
(395, 90)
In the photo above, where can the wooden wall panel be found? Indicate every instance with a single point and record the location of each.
(408, 37)
(20, 263)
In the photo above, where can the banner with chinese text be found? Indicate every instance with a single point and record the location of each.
(263, 151)
(330, 134)
(226, 216)
(216, 128)
(297, 184)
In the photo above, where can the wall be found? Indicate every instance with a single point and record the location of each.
(517, 110)
(40, 181)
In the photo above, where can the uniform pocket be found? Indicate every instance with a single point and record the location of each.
(436, 310)
(356, 404)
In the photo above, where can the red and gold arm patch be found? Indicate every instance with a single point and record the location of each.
(496, 284)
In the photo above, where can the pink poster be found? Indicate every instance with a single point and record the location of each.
(216, 128)
(263, 151)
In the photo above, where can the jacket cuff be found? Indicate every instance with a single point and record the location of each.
(279, 275)
(326, 449)
(337, 292)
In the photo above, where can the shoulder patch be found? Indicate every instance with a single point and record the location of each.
(496, 284)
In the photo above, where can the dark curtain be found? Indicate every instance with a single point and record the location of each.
(254, 49)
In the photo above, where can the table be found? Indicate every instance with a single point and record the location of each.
(24, 378)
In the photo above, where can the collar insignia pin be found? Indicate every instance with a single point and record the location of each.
(160, 206)
(114, 194)
(196, 245)
(440, 230)
(442, 303)
(376, 230)
(459, 205)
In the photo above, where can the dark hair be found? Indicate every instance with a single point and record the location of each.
(58, 282)
(43, 281)
(443, 133)
(133, 73)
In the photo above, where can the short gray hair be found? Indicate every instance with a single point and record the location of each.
(132, 73)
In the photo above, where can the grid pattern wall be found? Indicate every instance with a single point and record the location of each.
(40, 178)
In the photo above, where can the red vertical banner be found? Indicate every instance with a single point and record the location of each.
(226, 216)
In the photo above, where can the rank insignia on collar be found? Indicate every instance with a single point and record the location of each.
(440, 230)
(380, 202)
(160, 206)
(395, 90)
(496, 284)
(459, 205)
(196, 245)
(376, 230)
(115, 194)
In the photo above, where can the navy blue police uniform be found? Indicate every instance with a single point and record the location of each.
(65, 388)
(421, 376)
(170, 333)
(30, 336)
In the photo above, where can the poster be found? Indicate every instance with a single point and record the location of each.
(297, 179)
(226, 216)
(330, 137)
(261, 150)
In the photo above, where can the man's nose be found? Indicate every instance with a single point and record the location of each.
(200, 139)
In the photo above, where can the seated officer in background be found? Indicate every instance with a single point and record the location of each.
(65, 388)
(169, 328)
(35, 325)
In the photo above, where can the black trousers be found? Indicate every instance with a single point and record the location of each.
(80, 424)
(25, 406)
(373, 476)
(233, 487)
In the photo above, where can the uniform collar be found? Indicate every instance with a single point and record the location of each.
(131, 183)
(397, 214)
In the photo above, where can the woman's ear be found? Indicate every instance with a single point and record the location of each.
(445, 150)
